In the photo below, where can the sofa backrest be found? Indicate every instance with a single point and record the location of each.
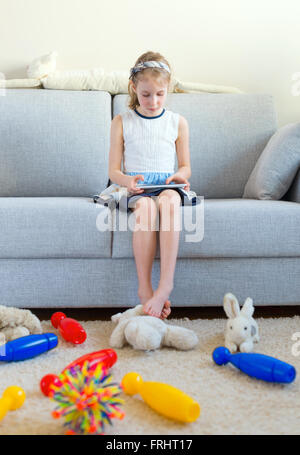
(228, 132)
(54, 142)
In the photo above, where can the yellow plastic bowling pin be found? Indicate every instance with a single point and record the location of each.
(163, 398)
(12, 398)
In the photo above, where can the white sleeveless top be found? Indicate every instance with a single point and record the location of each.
(149, 142)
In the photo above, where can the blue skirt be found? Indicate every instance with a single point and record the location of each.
(152, 178)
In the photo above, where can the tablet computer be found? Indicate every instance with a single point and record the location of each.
(174, 185)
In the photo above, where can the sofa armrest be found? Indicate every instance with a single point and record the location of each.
(293, 194)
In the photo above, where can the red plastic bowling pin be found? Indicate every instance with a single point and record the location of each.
(107, 357)
(69, 328)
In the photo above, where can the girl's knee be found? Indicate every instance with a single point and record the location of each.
(170, 198)
(146, 203)
(146, 212)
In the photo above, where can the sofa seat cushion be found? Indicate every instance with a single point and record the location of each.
(232, 228)
(52, 227)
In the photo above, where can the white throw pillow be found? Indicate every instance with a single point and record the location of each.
(20, 83)
(93, 79)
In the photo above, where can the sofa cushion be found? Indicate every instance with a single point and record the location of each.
(232, 228)
(54, 142)
(228, 132)
(100, 283)
(53, 228)
(276, 166)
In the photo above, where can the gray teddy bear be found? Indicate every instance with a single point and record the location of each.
(16, 323)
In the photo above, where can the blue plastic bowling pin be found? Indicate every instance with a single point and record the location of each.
(27, 347)
(258, 366)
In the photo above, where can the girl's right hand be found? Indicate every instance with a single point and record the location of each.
(131, 186)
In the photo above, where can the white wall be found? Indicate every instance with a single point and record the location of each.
(250, 44)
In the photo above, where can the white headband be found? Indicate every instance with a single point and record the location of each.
(150, 64)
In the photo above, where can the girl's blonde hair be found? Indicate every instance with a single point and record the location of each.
(157, 73)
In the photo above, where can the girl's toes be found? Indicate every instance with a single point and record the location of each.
(166, 312)
(156, 314)
(151, 312)
(147, 309)
(167, 304)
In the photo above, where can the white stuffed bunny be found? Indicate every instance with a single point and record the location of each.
(16, 323)
(148, 333)
(241, 329)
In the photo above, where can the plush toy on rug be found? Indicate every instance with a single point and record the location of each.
(146, 333)
(16, 323)
(241, 329)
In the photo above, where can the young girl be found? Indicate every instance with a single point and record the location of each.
(147, 137)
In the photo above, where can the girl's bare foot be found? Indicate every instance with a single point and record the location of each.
(166, 308)
(156, 303)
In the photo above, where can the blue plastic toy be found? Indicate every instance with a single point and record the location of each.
(27, 347)
(258, 366)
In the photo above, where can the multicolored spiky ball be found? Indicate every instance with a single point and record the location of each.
(87, 399)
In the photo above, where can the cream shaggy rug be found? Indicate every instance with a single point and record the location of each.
(231, 402)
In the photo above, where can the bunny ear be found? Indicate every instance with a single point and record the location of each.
(248, 308)
(231, 305)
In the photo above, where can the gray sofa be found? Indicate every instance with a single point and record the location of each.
(54, 148)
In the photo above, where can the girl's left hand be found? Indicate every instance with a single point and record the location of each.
(178, 178)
